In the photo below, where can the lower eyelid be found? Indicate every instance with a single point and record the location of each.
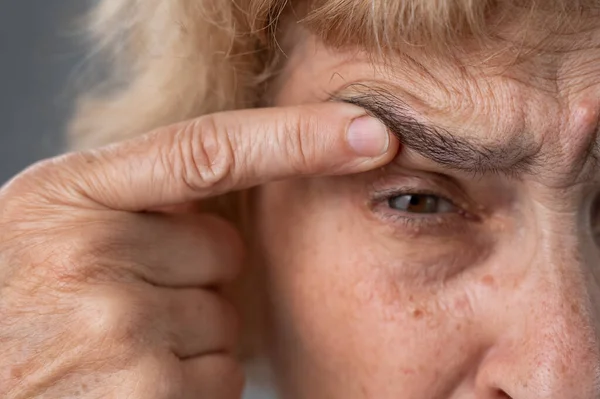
(411, 227)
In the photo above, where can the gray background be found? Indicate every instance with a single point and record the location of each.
(41, 55)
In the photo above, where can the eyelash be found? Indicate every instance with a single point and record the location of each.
(437, 223)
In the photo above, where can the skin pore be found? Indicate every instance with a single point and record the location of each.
(466, 268)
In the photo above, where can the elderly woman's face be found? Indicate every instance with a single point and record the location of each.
(469, 266)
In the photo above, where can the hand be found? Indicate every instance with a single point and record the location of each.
(100, 298)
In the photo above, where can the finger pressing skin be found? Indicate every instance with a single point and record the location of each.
(227, 151)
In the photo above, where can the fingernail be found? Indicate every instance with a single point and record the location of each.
(368, 137)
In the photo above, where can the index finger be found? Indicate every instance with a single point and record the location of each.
(229, 151)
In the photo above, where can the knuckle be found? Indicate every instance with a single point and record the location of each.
(206, 153)
(64, 255)
(115, 315)
(84, 255)
(299, 145)
(60, 267)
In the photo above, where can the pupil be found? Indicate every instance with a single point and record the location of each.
(415, 200)
(422, 203)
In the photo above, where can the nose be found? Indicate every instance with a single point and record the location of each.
(548, 344)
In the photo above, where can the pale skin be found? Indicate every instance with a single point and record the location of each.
(494, 298)
(486, 287)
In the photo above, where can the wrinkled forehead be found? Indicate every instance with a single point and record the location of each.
(498, 71)
(563, 71)
(546, 101)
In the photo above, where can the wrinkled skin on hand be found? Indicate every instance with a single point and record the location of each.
(101, 295)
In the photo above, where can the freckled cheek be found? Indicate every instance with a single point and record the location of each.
(358, 295)
(358, 319)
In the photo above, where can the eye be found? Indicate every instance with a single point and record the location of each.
(421, 203)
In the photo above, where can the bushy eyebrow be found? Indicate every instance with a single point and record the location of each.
(436, 143)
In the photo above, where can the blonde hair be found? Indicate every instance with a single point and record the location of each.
(177, 59)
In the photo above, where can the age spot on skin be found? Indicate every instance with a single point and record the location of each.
(575, 309)
(417, 313)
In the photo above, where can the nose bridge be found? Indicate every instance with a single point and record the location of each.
(564, 326)
(564, 268)
(550, 348)
(566, 318)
